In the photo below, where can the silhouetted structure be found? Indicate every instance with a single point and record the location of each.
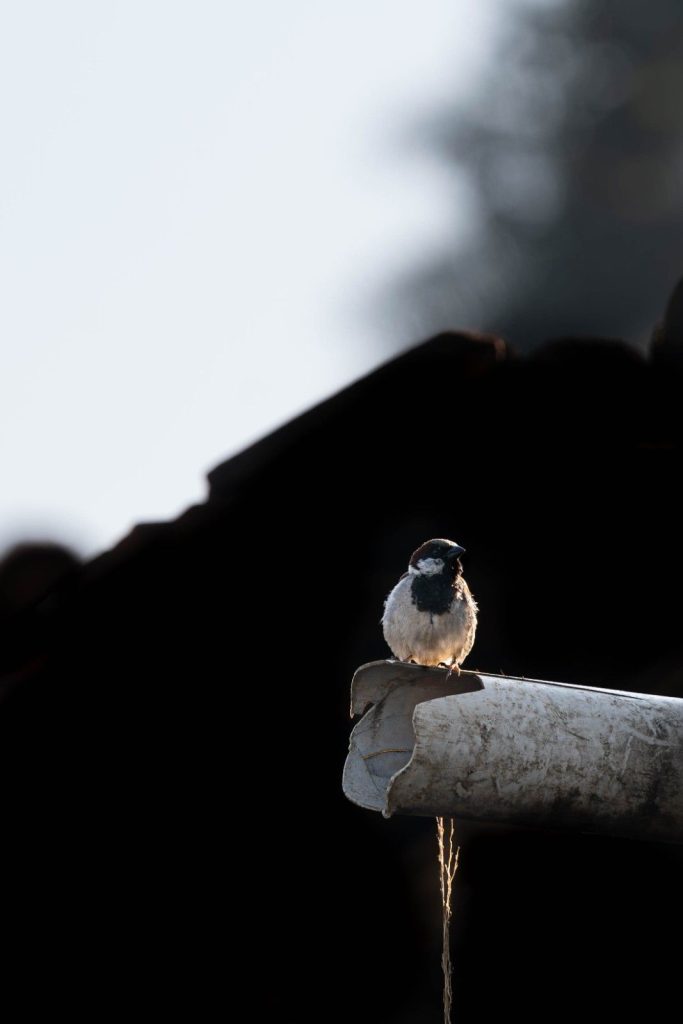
(29, 571)
(176, 717)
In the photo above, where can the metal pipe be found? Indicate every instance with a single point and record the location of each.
(518, 751)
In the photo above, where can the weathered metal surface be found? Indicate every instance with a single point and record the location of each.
(498, 748)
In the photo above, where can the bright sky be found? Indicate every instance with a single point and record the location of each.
(197, 200)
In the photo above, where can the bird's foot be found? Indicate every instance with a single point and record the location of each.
(453, 668)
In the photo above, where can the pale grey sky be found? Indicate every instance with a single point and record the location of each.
(196, 202)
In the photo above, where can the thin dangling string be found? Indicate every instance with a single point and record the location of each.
(449, 855)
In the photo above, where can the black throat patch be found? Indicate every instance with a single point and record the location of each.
(433, 594)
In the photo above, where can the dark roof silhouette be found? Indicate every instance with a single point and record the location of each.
(175, 716)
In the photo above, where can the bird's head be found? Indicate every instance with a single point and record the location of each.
(436, 557)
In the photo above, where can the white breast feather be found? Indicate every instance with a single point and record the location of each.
(427, 638)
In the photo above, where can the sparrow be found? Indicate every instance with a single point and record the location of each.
(430, 616)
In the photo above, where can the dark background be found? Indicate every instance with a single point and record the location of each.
(175, 713)
(175, 718)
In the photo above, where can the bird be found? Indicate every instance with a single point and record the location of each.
(430, 617)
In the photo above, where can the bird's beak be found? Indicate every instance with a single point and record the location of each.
(455, 552)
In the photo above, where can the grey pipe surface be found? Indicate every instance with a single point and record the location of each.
(518, 751)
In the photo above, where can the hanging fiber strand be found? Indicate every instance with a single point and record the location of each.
(449, 854)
